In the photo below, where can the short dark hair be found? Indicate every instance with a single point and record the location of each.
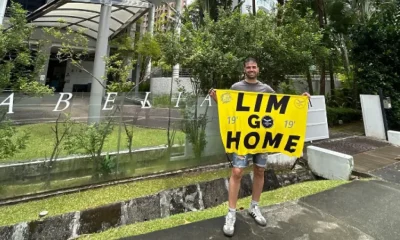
(249, 59)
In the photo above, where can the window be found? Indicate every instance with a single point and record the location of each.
(29, 5)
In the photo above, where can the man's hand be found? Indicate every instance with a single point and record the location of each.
(306, 94)
(213, 94)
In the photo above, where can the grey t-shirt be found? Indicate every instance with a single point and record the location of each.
(252, 87)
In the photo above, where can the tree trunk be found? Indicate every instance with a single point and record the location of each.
(279, 15)
(355, 90)
(321, 17)
(331, 76)
(309, 82)
(322, 78)
(320, 8)
(345, 55)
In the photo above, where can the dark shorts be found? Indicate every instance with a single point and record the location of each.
(259, 159)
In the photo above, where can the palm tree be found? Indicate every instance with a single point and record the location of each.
(362, 8)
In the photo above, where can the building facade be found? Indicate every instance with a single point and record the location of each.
(29, 5)
(265, 5)
(163, 14)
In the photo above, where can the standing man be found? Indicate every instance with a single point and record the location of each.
(250, 84)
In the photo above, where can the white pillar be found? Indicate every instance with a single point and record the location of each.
(46, 49)
(138, 64)
(131, 33)
(175, 69)
(3, 5)
(96, 94)
(151, 30)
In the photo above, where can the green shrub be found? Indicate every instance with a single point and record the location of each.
(288, 88)
(343, 98)
(347, 115)
(162, 101)
(144, 86)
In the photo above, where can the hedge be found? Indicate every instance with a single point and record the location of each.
(347, 115)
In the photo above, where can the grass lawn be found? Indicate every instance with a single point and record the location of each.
(41, 141)
(289, 193)
(89, 199)
(13, 190)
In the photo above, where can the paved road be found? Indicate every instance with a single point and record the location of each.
(360, 210)
(35, 110)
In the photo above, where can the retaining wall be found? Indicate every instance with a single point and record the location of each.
(194, 197)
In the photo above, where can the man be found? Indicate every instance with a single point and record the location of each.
(250, 84)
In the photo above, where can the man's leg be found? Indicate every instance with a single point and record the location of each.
(239, 163)
(258, 182)
(234, 186)
(259, 164)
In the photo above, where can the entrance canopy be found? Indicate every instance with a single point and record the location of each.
(78, 14)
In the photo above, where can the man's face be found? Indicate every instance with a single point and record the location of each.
(251, 70)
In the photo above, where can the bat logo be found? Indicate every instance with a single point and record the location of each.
(267, 122)
(300, 103)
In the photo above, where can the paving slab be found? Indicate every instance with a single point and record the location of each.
(370, 206)
(358, 210)
(375, 159)
(287, 221)
(389, 173)
(352, 145)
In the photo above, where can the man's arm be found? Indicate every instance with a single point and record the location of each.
(213, 94)
(306, 94)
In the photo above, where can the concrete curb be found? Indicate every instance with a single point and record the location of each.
(329, 164)
(394, 137)
(194, 197)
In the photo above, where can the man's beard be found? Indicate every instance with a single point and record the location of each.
(248, 76)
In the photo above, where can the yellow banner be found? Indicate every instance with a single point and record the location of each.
(252, 122)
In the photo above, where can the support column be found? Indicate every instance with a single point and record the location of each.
(151, 31)
(3, 5)
(131, 33)
(175, 69)
(46, 49)
(138, 63)
(96, 94)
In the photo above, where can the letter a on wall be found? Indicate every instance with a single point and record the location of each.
(253, 122)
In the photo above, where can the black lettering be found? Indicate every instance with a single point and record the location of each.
(247, 140)
(282, 104)
(230, 139)
(258, 102)
(256, 124)
(239, 105)
(272, 141)
(291, 144)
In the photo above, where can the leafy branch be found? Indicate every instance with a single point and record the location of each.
(60, 135)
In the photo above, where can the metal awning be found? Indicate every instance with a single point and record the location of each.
(78, 14)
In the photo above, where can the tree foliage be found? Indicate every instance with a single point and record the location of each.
(20, 61)
(215, 50)
(376, 54)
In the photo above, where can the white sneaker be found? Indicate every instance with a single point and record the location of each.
(229, 227)
(256, 214)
